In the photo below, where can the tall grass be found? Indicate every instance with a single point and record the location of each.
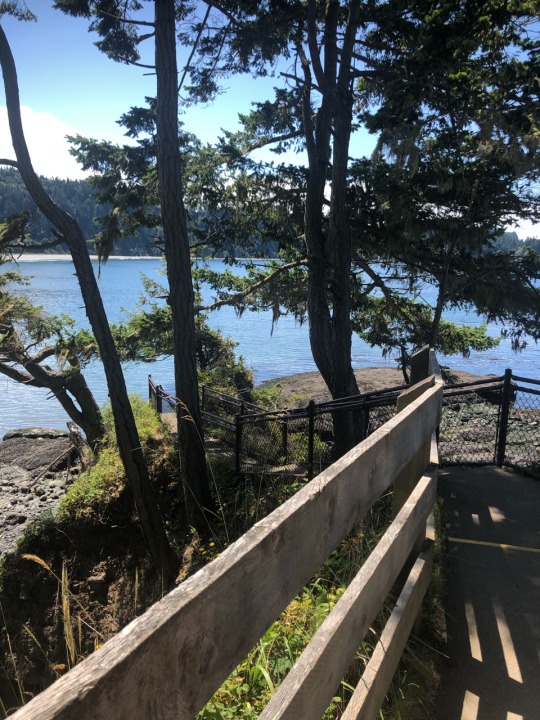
(251, 685)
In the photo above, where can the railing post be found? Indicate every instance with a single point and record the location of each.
(203, 398)
(238, 439)
(420, 365)
(311, 438)
(159, 399)
(503, 422)
(285, 439)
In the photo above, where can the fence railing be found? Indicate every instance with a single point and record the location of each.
(167, 663)
(495, 420)
(492, 421)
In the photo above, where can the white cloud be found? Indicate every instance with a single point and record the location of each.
(525, 229)
(46, 139)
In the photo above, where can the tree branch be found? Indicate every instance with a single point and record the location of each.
(263, 142)
(237, 297)
(17, 375)
(195, 45)
(313, 48)
(128, 21)
(230, 17)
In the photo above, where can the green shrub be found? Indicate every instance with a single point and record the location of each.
(105, 480)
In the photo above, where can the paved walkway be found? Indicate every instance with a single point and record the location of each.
(493, 623)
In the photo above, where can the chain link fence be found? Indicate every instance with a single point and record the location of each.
(469, 424)
(522, 441)
(489, 421)
(300, 442)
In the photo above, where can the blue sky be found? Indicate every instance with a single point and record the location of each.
(68, 86)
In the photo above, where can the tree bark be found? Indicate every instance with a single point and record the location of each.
(129, 444)
(330, 252)
(177, 256)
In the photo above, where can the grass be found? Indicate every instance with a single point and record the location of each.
(104, 481)
(251, 685)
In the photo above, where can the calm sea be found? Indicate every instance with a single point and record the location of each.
(271, 353)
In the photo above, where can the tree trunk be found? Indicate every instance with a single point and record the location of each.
(89, 417)
(129, 444)
(181, 297)
(330, 253)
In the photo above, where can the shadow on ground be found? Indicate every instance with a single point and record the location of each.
(493, 618)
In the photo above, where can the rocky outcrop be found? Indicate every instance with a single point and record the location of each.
(35, 469)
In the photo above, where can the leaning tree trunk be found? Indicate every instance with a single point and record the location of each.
(177, 256)
(126, 432)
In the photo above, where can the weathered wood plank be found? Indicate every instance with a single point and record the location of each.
(372, 688)
(420, 364)
(168, 662)
(408, 477)
(308, 688)
(406, 397)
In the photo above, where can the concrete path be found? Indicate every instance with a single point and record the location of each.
(493, 623)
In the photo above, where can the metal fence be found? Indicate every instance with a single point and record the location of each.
(489, 421)
(300, 442)
(468, 433)
(519, 437)
(495, 421)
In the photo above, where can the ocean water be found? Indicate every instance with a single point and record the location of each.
(270, 351)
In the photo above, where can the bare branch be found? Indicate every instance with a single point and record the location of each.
(11, 163)
(313, 48)
(127, 21)
(44, 353)
(230, 17)
(136, 64)
(195, 45)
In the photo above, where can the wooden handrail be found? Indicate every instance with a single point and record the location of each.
(167, 663)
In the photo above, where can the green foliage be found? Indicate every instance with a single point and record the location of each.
(251, 685)
(17, 8)
(268, 396)
(148, 334)
(149, 425)
(404, 326)
(105, 479)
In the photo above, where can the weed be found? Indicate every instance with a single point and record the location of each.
(67, 599)
(249, 688)
(18, 690)
(254, 681)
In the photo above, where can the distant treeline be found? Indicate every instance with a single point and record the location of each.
(77, 197)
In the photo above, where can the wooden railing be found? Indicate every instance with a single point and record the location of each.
(167, 663)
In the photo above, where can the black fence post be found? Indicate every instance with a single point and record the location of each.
(237, 442)
(203, 398)
(503, 422)
(159, 399)
(311, 437)
(285, 439)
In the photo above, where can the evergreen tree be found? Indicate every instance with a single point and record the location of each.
(69, 231)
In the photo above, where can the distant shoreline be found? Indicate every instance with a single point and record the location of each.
(52, 257)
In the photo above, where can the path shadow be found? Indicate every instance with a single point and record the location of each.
(493, 612)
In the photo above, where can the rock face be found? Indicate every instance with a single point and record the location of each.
(34, 473)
